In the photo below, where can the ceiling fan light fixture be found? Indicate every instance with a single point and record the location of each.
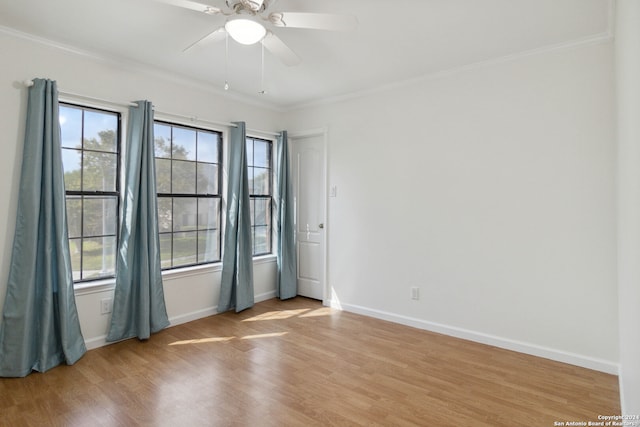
(245, 31)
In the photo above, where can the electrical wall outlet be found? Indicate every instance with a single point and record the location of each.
(106, 305)
(415, 293)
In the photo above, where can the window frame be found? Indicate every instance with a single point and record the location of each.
(121, 115)
(81, 194)
(268, 197)
(198, 196)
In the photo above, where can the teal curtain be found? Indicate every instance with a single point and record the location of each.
(138, 304)
(40, 327)
(286, 280)
(236, 288)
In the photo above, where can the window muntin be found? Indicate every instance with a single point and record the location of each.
(188, 176)
(259, 161)
(91, 157)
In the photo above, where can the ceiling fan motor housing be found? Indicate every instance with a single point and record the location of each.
(251, 6)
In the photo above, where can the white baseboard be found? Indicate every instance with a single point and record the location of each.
(496, 341)
(194, 315)
(265, 296)
(96, 342)
(623, 401)
(101, 340)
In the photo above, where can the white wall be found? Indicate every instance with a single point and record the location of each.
(492, 190)
(188, 295)
(627, 54)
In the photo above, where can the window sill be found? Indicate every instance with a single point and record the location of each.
(94, 287)
(106, 285)
(195, 270)
(263, 259)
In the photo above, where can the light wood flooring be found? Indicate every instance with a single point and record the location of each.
(297, 363)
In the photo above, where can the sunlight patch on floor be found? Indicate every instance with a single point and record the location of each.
(324, 311)
(224, 339)
(271, 335)
(277, 315)
(202, 340)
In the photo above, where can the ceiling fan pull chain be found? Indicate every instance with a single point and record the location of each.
(262, 91)
(226, 61)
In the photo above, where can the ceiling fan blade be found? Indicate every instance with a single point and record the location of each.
(193, 5)
(273, 44)
(316, 21)
(213, 36)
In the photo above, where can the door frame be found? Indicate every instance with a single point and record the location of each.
(323, 133)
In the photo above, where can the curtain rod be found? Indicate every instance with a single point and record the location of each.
(29, 83)
(228, 124)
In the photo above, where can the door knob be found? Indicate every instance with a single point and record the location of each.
(321, 226)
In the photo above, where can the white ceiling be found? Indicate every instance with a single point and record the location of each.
(396, 40)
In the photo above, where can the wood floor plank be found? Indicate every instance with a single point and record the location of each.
(296, 363)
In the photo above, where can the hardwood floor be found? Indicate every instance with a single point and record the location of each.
(296, 363)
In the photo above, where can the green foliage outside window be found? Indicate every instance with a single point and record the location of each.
(90, 146)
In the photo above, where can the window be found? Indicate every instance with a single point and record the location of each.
(260, 193)
(91, 158)
(188, 170)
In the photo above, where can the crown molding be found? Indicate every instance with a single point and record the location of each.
(586, 41)
(140, 67)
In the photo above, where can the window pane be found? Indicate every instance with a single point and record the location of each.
(165, 214)
(261, 240)
(98, 257)
(99, 171)
(75, 248)
(208, 249)
(260, 214)
(163, 176)
(70, 126)
(184, 248)
(74, 219)
(165, 250)
(250, 179)
(162, 138)
(105, 142)
(100, 130)
(99, 216)
(207, 178)
(71, 166)
(259, 176)
(188, 225)
(184, 144)
(90, 157)
(252, 209)
(261, 153)
(208, 147)
(250, 152)
(261, 182)
(208, 213)
(185, 214)
(183, 177)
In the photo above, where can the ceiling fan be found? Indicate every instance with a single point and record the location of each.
(245, 24)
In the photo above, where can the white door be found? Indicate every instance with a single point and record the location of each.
(308, 167)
